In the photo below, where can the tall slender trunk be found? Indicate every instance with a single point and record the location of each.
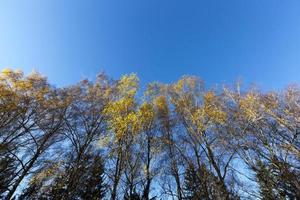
(27, 168)
(148, 176)
(116, 176)
(175, 173)
(24, 173)
(211, 158)
(177, 180)
(174, 167)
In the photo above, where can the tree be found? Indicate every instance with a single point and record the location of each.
(94, 187)
(85, 123)
(7, 172)
(123, 126)
(202, 115)
(149, 146)
(265, 181)
(100, 139)
(37, 109)
(266, 131)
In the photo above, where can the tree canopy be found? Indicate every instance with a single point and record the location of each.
(103, 139)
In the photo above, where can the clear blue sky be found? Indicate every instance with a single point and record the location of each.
(220, 41)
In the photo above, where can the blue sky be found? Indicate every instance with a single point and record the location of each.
(220, 41)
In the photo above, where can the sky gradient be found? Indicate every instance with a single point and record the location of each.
(221, 41)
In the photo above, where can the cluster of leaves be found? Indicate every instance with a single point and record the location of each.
(100, 140)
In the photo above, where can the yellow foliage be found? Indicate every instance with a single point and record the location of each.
(249, 106)
(187, 84)
(212, 109)
(198, 120)
(146, 114)
(128, 85)
(210, 112)
(155, 89)
(161, 105)
(122, 115)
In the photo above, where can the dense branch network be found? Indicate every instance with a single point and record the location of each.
(101, 140)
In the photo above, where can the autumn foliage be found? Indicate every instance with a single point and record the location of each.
(102, 139)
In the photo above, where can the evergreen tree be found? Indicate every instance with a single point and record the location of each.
(195, 185)
(276, 181)
(93, 188)
(7, 171)
(202, 184)
(265, 181)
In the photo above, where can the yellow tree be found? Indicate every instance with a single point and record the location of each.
(202, 113)
(31, 120)
(267, 129)
(150, 140)
(84, 124)
(123, 125)
(166, 125)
